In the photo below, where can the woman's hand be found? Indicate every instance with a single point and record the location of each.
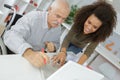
(60, 58)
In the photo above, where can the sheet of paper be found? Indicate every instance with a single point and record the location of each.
(15, 67)
(74, 71)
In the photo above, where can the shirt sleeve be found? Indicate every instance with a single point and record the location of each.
(90, 48)
(15, 38)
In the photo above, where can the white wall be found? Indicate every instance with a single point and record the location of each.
(116, 5)
(80, 2)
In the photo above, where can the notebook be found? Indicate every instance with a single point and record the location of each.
(74, 71)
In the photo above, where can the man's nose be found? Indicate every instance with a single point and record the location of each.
(60, 20)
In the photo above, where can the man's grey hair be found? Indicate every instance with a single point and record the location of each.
(57, 3)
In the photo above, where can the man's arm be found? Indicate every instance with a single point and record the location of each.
(14, 38)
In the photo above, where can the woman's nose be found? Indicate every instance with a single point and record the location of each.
(90, 27)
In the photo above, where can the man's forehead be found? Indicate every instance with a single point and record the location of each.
(62, 13)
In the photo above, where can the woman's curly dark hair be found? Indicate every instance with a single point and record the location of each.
(103, 11)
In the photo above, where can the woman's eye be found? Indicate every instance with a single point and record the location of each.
(89, 22)
(95, 27)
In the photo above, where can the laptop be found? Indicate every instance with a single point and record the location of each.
(74, 71)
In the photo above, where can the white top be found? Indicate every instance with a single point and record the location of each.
(31, 31)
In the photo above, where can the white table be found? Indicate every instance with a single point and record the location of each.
(16, 67)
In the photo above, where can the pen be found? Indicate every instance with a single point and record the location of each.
(42, 50)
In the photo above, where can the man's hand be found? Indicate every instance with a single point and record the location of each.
(60, 58)
(35, 58)
(50, 46)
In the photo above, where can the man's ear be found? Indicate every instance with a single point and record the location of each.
(49, 8)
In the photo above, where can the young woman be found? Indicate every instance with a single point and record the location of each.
(92, 24)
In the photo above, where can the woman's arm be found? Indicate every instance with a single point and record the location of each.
(62, 54)
(87, 53)
(82, 59)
